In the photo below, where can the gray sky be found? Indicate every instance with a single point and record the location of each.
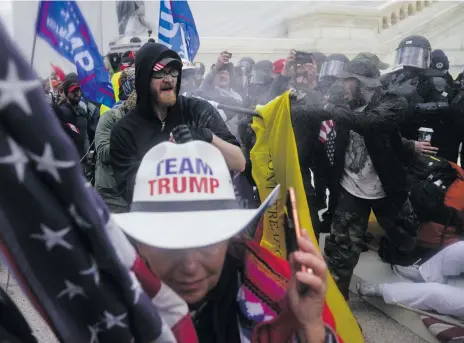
(6, 14)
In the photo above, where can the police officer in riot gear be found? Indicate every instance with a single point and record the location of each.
(260, 83)
(333, 65)
(440, 62)
(246, 67)
(427, 92)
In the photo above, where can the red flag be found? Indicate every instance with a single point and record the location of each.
(59, 72)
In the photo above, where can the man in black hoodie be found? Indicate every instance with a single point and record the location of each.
(161, 110)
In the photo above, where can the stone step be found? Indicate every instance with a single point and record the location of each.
(371, 269)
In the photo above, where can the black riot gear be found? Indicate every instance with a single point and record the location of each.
(413, 51)
(263, 72)
(331, 67)
(260, 83)
(248, 66)
(428, 94)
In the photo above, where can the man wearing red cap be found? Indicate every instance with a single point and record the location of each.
(74, 114)
(278, 66)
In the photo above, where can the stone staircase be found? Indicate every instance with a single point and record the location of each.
(371, 269)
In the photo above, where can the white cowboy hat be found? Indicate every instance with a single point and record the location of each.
(184, 198)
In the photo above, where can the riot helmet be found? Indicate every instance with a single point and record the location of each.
(333, 65)
(263, 72)
(320, 58)
(200, 69)
(188, 83)
(413, 51)
(248, 66)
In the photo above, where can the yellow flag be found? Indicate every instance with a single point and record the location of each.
(275, 161)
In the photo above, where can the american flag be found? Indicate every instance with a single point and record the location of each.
(158, 66)
(77, 267)
(444, 332)
(326, 128)
(327, 136)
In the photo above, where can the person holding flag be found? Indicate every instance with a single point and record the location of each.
(275, 159)
(62, 25)
(177, 29)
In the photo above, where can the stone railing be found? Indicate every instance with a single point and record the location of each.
(331, 28)
(392, 12)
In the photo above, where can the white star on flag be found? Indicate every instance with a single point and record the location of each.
(92, 271)
(77, 218)
(17, 158)
(13, 89)
(71, 290)
(65, 15)
(47, 162)
(61, 44)
(53, 238)
(136, 288)
(94, 330)
(112, 320)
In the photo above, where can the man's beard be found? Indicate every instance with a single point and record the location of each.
(74, 102)
(358, 99)
(167, 99)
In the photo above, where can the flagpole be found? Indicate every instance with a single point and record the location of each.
(33, 50)
(35, 33)
(184, 43)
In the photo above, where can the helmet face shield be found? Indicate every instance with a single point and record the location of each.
(413, 56)
(331, 68)
(260, 77)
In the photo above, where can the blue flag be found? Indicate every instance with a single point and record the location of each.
(174, 17)
(63, 26)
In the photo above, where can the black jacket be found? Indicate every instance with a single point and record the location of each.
(68, 125)
(140, 129)
(379, 125)
(428, 93)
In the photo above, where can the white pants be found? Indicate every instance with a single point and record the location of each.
(435, 294)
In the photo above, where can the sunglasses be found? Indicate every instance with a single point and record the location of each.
(161, 74)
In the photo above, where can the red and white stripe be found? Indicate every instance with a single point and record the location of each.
(445, 333)
(177, 324)
(72, 127)
(326, 127)
(158, 66)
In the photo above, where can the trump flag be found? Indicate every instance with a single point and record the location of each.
(62, 25)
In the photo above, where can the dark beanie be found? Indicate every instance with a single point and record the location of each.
(439, 60)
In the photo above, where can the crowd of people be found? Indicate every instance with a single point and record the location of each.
(366, 142)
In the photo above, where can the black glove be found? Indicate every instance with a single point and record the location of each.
(184, 133)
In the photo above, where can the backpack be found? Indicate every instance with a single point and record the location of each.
(436, 191)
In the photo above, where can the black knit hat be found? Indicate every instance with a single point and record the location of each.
(439, 60)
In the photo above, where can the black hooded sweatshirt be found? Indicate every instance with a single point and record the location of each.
(140, 129)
